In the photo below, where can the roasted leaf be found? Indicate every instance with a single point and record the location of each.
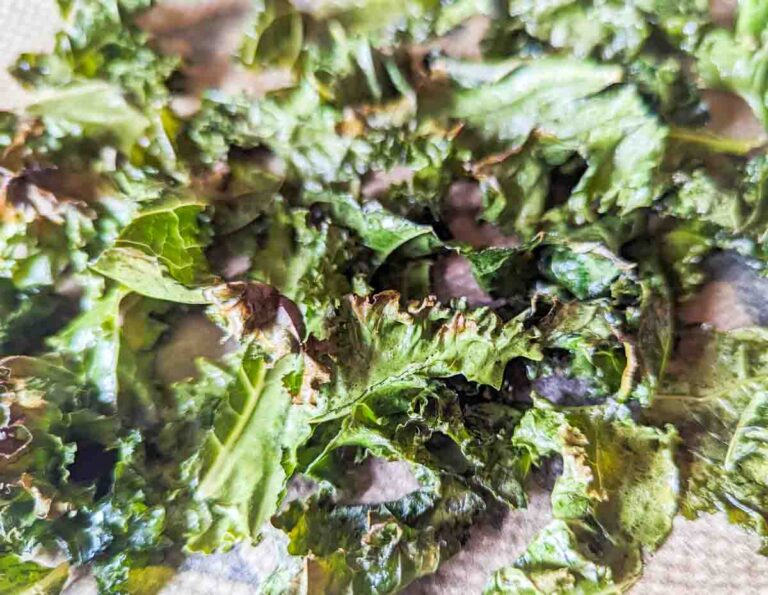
(375, 341)
(718, 403)
(616, 497)
(378, 548)
(605, 28)
(730, 62)
(160, 254)
(429, 427)
(616, 472)
(380, 230)
(92, 341)
(560, 101)
(62, 455)
(569, 557)
(546, 160)
(240, 472)
(301, 131)
(41, 237)
(306, 263)
(93, 108)
(20, 577)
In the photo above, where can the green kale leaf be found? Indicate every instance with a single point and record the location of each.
(307, 262)
(561, 101)
(616, 496)
(375, 341)
(92, 108)
(378, 548)
(21, 577)
(615, 472)
(605, 28)
(433, 429)
(160, 254)
(568, 557)
(239, 470)
(719, 404)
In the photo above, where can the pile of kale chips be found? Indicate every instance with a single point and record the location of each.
(554, 171)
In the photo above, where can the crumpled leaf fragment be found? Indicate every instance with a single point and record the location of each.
(160, 254)
(568, 557)
(559, 100)
(377, 340)
(431, 428)
(718, 404)
(19, 577)
(378, 548)
(616, 497)
(618, 473)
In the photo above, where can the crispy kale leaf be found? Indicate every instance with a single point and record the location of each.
(613, 341)
(309, 262)
(239, 469)
(42, 237)
(718, 402)
(379, 229)
(615, 472)
(279, 385)
(300, 130)
(605, 28)
(362, 139)
(375, 341)
(93, 109)
(735, 61)
(378, 548)
(705, 222)
(567, 106)
(160, 254)
(433, 429)
(19, 576)
(616, 497)
(104, 81)
(64, 455)
(568, 557)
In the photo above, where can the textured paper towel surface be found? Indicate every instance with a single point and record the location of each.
(707, 557)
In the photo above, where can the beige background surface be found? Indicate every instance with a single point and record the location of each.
(703, 557)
